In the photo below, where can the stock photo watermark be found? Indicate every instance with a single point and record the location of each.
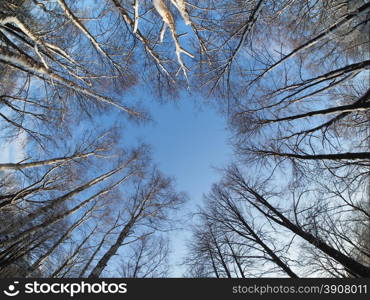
(69, 289)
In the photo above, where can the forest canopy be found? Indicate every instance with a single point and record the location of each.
(290, 76)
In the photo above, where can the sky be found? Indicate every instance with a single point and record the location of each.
(188, 142)
(13, 151)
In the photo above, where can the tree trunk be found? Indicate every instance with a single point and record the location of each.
(346, 261)
(100, 266)
(70, 258)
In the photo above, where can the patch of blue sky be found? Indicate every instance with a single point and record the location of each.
(188, 142)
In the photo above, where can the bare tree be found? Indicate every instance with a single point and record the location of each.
(148, 206)
(148, 259)
(307, 229)
(230, 225)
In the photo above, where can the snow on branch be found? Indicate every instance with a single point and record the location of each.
(168, 19)
(136, 15)
(180, 5)
(130, 22)
(37, 69)
(29, 33)
(34, 41)
(75, 20)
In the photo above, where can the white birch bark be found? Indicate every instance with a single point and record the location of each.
(41, 163)
(168, 19)
(35, 68)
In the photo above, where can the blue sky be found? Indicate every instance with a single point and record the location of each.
(188, 138)
(188, 141)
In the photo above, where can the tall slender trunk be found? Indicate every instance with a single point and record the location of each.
(349, 263)
(213, 263)
(21, 252)
(37, 69)
(268, 250)
(341, 21)
(336, 156)
(92, 257)
(357, 106)
(61, 216)
(100, 266)
(235, 257)
(53, 204)
(66, 234)
(223, 262)
(19, 166)
(70, 258)
(362, 100)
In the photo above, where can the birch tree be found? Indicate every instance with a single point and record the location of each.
(148, 259)
(146, 207)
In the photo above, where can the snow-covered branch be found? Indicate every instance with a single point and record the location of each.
(136, 15)
(75, 20)
(35, 68)
(128, 20)
(180, 5)
(168, 19)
